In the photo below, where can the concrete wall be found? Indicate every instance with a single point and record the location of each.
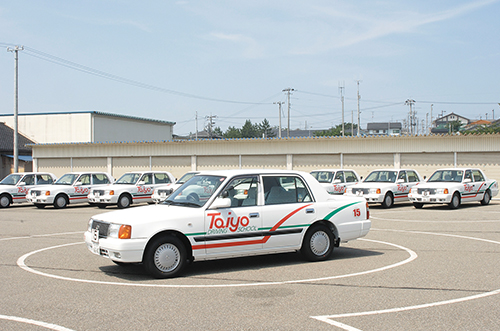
(363, 154)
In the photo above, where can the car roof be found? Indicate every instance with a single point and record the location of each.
(237, 172)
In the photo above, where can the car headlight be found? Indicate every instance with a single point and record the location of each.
(89, 227)
(375, 191)
(442, 191)
(413, 190)
(348, 190)
(120, 231)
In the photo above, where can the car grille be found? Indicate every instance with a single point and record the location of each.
(36, 193)
(364, 190)
(100, 192)
(164, 191)
(103, 228)
(428, 190)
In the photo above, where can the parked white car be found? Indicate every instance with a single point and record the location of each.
(15, 187)
(454, 186)
(386, 186)
(70, 188)
(244, 212)
(131, 187)
(160, 193)
(335, 181)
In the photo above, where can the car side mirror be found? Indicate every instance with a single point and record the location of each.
(221, 203)
(140, 183)
(78, 184)
(467, 180)
(336, 181)
(400, 180)
(21, 184)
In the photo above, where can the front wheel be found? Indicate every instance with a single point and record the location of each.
(318, 243)
(124, 201)
(4, 201)
(165, 257)
(418, 205)
(60, 202)
(455, 201)
(388, 200)
(486, 199)
(39, 206)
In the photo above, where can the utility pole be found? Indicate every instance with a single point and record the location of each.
(16, 50)
(352, 123)
(341, 89)
(279, 103)
(210, 124)
(430, 129)
(359, 97)
(288, 90)
(411, 102)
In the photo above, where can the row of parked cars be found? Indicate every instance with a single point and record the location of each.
(452, 186)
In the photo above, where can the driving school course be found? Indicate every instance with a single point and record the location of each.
(418, 269)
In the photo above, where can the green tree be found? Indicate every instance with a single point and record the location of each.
(265, 129)
(232, 132)
(248, 130)
(453, 126)
(336, 131)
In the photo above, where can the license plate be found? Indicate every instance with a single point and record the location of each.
(95, 248)
(95, 236)
(97, 194)
(425, 199)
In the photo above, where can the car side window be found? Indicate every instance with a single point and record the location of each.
(340, 176)
(350, 177)
(147, 179)
(43, 179)
(285, 189)
(84, 179)
(161, 178)
(100, 179)
(478, 176)
(243, 191)
(29, 180)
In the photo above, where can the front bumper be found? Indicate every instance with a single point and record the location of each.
(41, 199)
(434, 198)
(370, 197)
(103, 199)
(121, 250)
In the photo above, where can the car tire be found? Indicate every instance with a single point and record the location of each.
(124, 201)
(4, 201)
(101, 206)
(165, 257)
(60, 202)
(486, 198)
(418, 205)
(39, 206)
(388, 200)
(318, 243)
(455, 201)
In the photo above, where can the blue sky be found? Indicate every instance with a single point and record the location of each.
(169, 60)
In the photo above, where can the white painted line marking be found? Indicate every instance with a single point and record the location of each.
(33, 322)
(41, 235)
(329, 318)
(436, 222)
(21, 263)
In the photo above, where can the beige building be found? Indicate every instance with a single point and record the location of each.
(89, 127)
(363, 154)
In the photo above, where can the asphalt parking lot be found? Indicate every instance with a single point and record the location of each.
(418, 269)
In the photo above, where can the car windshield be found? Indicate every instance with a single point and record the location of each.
(323, 176)
(446, 176)
(11, 179)
(382, 176)
(196, 191)
(130, 178)
(67, 179)
(186, 177)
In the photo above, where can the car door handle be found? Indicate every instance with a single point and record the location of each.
(310, 211)
(253, 215)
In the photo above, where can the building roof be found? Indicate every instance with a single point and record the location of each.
(445, 117)
(383, 125)
(7, 141)
(100, 113)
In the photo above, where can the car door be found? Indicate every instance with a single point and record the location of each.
(145, 187)
(28, 183)
(479, 183)
(339, 182)
(81, 188)
(288, 210)
(237, 229)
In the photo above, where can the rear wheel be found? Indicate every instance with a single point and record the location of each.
(165, 257)
(60, 201)
(388, 200)
(455, 201)
(318, 243)
(4, 201)
(124, 201)
(487, 198)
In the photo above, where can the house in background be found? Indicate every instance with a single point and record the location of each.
(384, 128)
(89, 126)
(441, 124)
(7, 151)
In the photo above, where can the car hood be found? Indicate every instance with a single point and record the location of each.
(437, 185)
(372, 185)
(148, 214)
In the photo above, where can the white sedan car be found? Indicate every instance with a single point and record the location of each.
(335, 181)
(131, 187)
(160, 193)
(15, 187)
(246, 212)
(386, 186)
(70, 188)
(454, 186)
